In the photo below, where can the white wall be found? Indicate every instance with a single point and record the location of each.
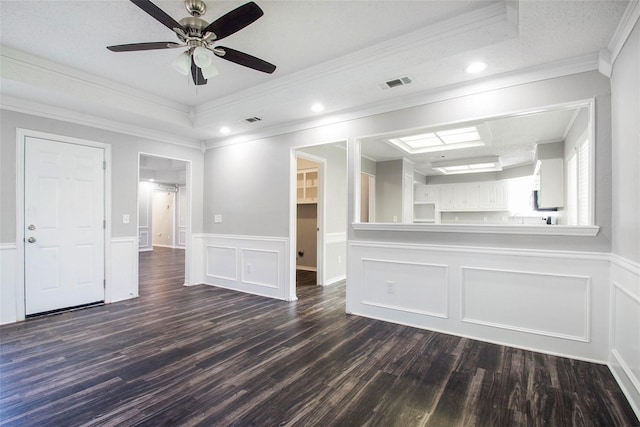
(624, 357)
(122, 280)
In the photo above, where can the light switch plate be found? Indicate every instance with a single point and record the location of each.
(125, 219)
(217, 218)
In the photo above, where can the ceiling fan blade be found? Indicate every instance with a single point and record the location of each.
(196, 74)
(244, 59)
(158, 14)
(234, 21)
(143, 46)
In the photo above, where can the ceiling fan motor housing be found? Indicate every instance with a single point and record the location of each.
(193, 26)
(195, 7)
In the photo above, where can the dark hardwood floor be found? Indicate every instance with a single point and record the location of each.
(212, 357)
(305, 278)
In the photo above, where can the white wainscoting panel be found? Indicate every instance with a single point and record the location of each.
(256, 265)
(260, 267)
(221, 263)
(8, 294)
(335, 258)
(555, 302)
(545, 304)
(406, 286)
(122, 281)
(144, 243)
(624, 357)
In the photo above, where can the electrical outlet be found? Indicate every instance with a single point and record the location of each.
(217, 219)
(395, 218)
(125, 219)
(339, 259)
(391, 287)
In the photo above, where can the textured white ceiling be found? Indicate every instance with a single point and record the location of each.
(333, 51)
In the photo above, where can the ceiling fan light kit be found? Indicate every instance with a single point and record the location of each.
(182, 63)
(198, 37)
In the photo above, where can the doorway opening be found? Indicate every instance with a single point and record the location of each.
(318, 210)
(164, 212)
(307, 227)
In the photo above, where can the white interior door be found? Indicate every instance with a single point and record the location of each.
(64, 225)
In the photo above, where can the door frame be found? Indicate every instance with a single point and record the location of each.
(21, 135)
(293, 216)
(188, 274)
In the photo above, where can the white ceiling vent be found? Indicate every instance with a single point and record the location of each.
(400, 81)
(252, 119)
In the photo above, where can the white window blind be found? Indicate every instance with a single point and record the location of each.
(583, 184)
(572, 190)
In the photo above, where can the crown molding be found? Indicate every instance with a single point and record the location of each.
(46, 75)
(466, 23)
(623, 31)
(56, 113)
(501, 81)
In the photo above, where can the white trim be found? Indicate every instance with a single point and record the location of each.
(587, 305)
(7, 246)
(623, 381)
(217, 276)
(476, 250)
(337, 237)
(623, 31)
(335, 280)
(543, 230)
(626, 264)
(243, 245)
(491, 341)
(21, 135)
(243, 251)
(444, 315)
(39, 109)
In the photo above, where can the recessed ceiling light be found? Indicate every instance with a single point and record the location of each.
(317, 107)
(475, 67)
(225, 130)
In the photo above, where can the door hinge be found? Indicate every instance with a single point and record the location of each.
(104, 224)
(104, 165)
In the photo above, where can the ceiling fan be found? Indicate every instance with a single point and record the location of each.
(198, 37)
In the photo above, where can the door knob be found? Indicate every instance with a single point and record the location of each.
(31, 240)
(31, 227)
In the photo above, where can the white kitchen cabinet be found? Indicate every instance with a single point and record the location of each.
(307, 186)
(478, 196)
(446, 197)
(426, 193)
(494, 195)
(466, 196)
